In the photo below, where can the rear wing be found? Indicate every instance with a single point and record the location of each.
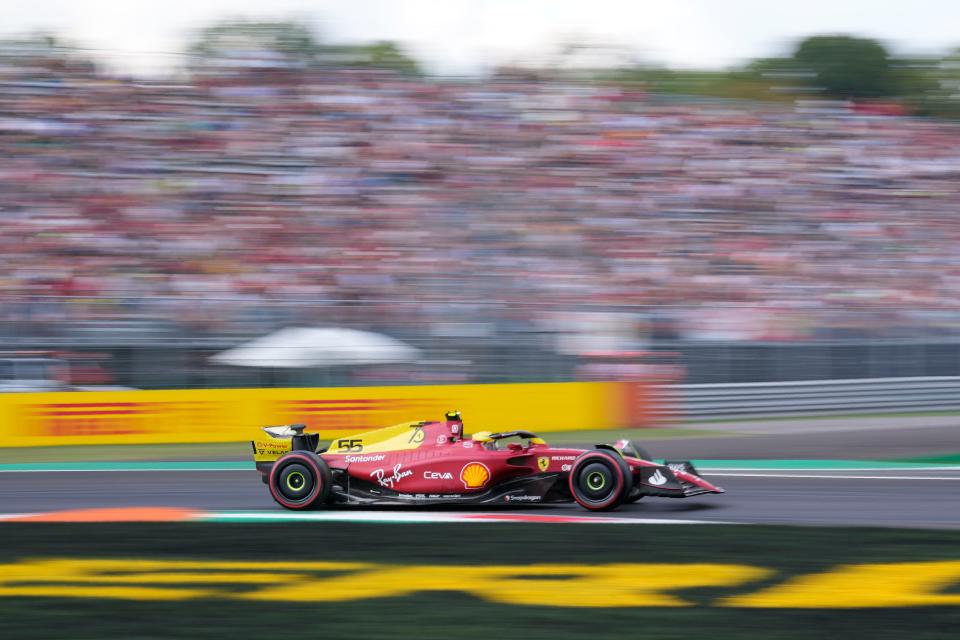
(283, 438)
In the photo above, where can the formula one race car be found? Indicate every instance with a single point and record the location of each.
(430, 463)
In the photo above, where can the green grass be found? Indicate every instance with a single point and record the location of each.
(241, 450)
(787, 551)
(947, 458)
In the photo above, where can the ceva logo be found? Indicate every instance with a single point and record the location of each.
(437, 475)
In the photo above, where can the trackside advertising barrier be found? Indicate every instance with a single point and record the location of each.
(223, 415)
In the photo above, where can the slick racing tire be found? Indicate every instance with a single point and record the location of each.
(300, 480)
(599, 480)
(636, 451)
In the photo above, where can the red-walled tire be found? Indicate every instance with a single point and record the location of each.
(300, 480)
(599, 480)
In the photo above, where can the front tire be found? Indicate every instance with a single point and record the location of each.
(599, 480)
(300, 480)
(634, 450)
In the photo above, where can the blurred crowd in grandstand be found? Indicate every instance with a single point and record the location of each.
(234, 201)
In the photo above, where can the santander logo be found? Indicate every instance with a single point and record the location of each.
(657, 478)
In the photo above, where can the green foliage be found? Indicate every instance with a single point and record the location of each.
(223, 38)
(378, 55)
(848, 67)
(941, 96)
(828, 66)
(40, 48)
(292, 44)
(837, 66)
(389, 55)
(729, 84)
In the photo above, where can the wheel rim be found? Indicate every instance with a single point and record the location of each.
(296, 482)
(596, 482)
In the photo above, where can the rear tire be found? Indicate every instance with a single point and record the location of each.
(300, 480)
(599, 480)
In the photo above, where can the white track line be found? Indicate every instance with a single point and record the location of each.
(475, 518)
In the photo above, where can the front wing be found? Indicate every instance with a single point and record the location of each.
(672, 479)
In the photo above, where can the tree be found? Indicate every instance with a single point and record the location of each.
(933, 84)
(44, 50)
(848, 67)
(291, 45)
(283, 43)
(378, 55)
(388, 55)
(948, 76)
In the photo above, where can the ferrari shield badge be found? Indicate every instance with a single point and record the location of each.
(543, 463)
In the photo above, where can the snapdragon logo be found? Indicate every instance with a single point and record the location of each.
(522, 498)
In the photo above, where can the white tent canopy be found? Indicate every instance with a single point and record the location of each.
(302, 347)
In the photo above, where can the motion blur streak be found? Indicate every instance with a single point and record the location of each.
(561, 585)
(537, 223)
(905, 584)
(223, 415)
(97, 578)
(902, 584)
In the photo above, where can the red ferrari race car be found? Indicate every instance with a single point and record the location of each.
(430, 463)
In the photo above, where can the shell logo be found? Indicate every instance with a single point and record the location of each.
(474, 475)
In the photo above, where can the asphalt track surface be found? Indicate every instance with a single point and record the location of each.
(848, 439)
(863, 497)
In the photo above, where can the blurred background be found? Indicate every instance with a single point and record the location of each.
(506, 192)
(735, 221)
